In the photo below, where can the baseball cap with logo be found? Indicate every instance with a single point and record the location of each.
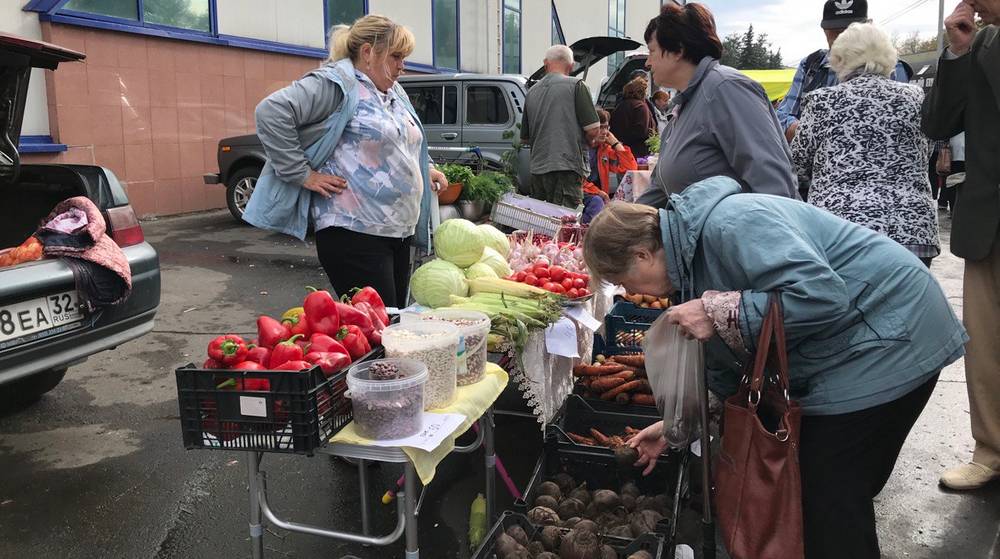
(839, 14)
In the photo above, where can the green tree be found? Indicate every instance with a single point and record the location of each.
(750, 51)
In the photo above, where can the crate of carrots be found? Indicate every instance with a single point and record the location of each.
(619, 378)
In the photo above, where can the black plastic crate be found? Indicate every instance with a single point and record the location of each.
(578, 415)
(295, 412)
(600, 348)
(652, 542)
(625, 327)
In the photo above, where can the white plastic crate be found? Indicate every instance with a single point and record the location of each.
(526, 213)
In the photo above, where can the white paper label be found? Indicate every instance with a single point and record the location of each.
(560, 338)
(583, 316)
(436, 428)
(255, 407)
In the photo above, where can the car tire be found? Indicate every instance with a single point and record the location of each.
(239, 188)
(28, 390)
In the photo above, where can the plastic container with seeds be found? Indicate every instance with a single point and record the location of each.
(433, 343)
(474, 327)
(388, 397)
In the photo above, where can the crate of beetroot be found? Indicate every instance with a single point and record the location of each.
(515, 536)
(283, 391)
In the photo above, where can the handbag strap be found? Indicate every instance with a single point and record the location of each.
(772, 326)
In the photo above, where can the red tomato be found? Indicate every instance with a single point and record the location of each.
(557, 288)
(550, 286)
(584, 292)
(519, 277)
(557, 273)
(567, 283)
(573, 293)
(542, 271)
(579, 283)
(585, 278)
(530, 279)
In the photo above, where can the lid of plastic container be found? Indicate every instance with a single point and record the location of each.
(358, 377)
(481, 319)
(427, 328)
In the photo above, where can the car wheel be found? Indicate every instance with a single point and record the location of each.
(238, 190)
(29, 389)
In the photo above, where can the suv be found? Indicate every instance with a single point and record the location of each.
(458, 112)
(35, 351)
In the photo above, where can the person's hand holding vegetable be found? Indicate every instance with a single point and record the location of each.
(694, 322)
(650, 443)
(324, 185)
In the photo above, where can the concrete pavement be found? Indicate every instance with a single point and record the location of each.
(97, 469)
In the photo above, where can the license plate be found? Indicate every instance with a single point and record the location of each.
(27, 318)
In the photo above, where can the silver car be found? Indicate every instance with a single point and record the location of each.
(43, 330)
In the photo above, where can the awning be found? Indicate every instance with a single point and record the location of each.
(776, 82)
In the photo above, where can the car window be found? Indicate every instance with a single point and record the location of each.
(434, 104)
(485, 104)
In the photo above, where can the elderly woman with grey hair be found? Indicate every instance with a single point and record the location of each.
(860, 145)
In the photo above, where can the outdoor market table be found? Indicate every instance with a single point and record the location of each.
(474, 402)
(632, 185)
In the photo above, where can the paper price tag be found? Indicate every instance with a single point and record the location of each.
(560, 338)
(254, 407)
(584, 317)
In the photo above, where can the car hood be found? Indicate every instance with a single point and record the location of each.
(17, 57)
(589, 51)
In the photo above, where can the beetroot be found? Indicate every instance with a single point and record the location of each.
(644, 521)
(581, 494)
(543, 516)
(570, 507)
(580, 544)
(550, 536)
(565, 482)
(606, 500)
(519, 535)
(547, 501)
(641, 554)
(550, 488)
(608, 552)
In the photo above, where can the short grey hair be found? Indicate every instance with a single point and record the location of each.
(865, 47)
(559, 53)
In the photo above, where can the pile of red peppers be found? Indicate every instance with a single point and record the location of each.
(323, 332)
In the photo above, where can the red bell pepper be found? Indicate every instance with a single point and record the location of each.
(295, 365)
(323, 343)
(227, 349)
(330, 362)
(247, 366)
(354, 340)
(355, 316)
(321, 312)
(260, 354)
(370, 296)
(375, 336)
(271, 331)
(298, 324)
(285, 351)
(212, 364)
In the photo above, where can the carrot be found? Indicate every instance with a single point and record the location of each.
(627, 387)
(601, 384)
(643, 399)
(627, 374)
(623, 399)
(631, 430)
(600, 437)
(644, 388)
(633, 361)
(597, 370)
(580, 439)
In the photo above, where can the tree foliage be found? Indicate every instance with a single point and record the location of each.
(750, 51)
(913, 43)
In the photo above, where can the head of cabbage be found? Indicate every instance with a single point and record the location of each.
(480, 270)
(458, 241)
(495, 239)
(435, 282)
(497, 262)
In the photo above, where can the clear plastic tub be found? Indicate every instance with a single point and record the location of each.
(388, 397)
(433, 343)
(474, 327)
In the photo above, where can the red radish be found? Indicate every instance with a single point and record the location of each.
(519, 276)
(531, 279)
(542, 271)
(579, 283)
(557, 288)
(584, 292)
(550, 286)
(567, 283)
(573, 293)
(557, 273)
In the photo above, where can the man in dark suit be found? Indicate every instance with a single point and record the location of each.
(966, 98)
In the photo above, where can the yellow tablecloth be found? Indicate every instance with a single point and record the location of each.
(471, 401)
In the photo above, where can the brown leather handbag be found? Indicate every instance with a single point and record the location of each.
(758, 491)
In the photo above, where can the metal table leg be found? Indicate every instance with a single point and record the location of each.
(365, 498)
(707, 522)
(410, 495)
(256, 528)
(491, 466)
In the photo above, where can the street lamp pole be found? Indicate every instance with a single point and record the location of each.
(940, 28)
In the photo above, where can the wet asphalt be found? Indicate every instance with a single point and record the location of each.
(97, 468)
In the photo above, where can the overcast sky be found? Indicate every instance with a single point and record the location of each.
(793, 25)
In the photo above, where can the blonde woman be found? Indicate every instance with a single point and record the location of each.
(859, 144)
(346, 149)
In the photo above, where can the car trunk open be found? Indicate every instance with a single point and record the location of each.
(589, 51)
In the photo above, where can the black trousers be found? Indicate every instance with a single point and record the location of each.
(845, 462)
(355, 260)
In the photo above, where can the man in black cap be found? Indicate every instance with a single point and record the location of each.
(814, 71)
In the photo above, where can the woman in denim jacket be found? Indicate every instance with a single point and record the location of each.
(346, 150)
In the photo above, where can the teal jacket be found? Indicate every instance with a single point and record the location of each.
(864, 319)
(279, 202)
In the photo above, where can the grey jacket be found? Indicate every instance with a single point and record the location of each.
(966, 97)
(725, 127)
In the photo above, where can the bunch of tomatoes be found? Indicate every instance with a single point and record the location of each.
(555, 279)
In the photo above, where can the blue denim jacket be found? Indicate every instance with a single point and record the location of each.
(282, 206)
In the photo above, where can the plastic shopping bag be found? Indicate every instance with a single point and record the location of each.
(672, 361)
